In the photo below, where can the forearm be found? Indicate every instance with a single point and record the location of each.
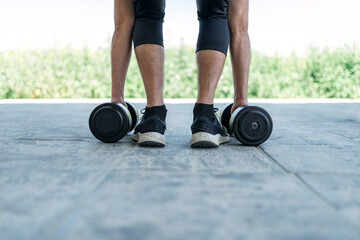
(240, 59)
(120, 58)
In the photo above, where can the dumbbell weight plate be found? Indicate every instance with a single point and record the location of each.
(134, 115)
(251, 125)
(225, 116)
(109, 122)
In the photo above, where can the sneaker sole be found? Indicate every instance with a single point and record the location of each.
(149, 139)
(207, 140)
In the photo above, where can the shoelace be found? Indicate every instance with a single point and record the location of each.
(216, 112)
(218, 118)
(142, 111)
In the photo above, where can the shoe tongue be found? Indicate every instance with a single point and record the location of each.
(159, 111)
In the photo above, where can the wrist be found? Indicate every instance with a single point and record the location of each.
(118, 100)
(241, 101)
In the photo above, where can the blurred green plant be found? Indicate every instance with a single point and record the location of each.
(74, 73)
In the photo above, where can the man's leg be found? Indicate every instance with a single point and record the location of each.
(239, 50)
(210, 66)
(149, 50)
(121, 46)
(150, 58)
(149, 47)
(212, 46)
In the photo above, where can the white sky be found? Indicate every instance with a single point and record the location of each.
(275, 26)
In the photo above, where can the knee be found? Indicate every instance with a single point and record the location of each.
(213, 30)
(124, 24)
(238, 27)
(149, 18)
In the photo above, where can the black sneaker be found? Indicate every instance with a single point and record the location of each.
(150, 131)
(207, 131)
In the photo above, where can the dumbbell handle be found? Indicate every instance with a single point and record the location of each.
(233, 116)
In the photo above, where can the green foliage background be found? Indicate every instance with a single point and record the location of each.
(74, 73)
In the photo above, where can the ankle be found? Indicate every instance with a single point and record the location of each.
(154, 103)
(205, 101)
(159, 111)
(203, 110)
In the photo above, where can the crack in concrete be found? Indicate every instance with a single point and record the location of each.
(306, 185)
(294, 175)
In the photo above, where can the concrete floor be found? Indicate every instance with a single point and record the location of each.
(58, 182)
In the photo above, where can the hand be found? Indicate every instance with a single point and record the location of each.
(119, 100)
(239, 103)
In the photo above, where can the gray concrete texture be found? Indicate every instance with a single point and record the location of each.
(58, 182)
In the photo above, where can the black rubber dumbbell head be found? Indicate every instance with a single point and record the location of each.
(251, 125)
(109, 122)
(225, 116)
(134, 115)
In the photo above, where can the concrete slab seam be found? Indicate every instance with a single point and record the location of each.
(324, 199)
(295, 177)
(308, 187)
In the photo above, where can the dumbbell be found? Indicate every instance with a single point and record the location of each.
(250, 125)
(110, 122)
